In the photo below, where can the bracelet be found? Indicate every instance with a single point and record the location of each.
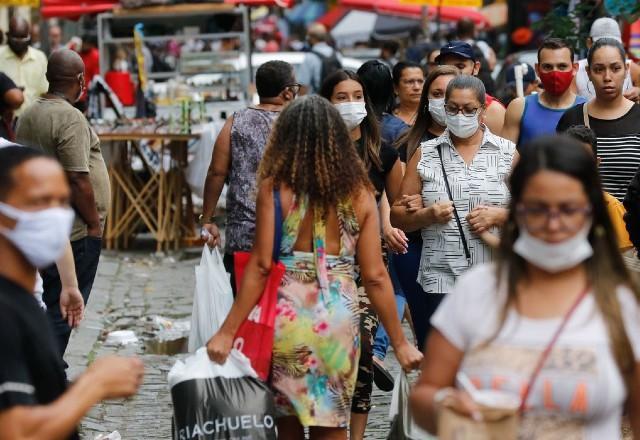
(441, 395)
(202, 220)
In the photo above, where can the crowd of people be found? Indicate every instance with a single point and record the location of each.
(406, 192)
(504, 236)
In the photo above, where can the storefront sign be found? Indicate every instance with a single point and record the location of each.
(30, 3)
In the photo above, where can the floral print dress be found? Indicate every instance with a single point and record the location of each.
(317, 330)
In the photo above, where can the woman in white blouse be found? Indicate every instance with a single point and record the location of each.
(555, 321)
(461, 179)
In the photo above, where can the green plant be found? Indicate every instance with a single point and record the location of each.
(569, 25)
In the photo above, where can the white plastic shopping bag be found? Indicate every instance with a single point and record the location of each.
(216, 402)
(212, 298)
(402, 425)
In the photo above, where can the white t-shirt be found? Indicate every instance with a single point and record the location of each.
(579, 393)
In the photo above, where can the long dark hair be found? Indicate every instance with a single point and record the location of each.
(413, 137)
(378, 84)
(310, 151)
(605, 269)
(369, 126)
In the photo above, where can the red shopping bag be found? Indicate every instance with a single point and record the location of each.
(255, 336)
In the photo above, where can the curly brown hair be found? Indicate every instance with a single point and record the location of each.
(310, 151)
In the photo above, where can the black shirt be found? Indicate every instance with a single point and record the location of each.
(388, 158)
(31, 371)
(6, 84)
(618, 146)
(402, 151)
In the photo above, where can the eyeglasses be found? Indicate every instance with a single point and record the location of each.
(294, 88)
(453, 110)
(537, 218)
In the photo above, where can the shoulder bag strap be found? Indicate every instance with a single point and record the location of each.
(547, 351)
(463, 237)
(585, 115)
(277, 237)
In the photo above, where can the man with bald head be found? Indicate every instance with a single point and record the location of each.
(56, 126)
(25, 65)
(321, 61)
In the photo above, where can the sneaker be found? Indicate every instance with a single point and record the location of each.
(381, 376)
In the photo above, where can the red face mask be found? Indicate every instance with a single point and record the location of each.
(556, 82)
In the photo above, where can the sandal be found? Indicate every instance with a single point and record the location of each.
(381, 376)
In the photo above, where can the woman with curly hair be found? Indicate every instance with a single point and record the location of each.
(347, 92)
(330, 220)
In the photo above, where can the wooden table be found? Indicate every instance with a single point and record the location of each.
(155, 198)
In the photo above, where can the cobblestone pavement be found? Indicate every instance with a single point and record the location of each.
(128, 288)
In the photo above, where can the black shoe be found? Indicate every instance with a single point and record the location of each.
(381, 377)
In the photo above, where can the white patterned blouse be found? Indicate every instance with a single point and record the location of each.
(482, 182)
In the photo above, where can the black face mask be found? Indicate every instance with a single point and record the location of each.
(19, 46)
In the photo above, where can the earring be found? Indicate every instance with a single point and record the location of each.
(599, 231)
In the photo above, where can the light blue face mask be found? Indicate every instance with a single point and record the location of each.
(554, 257)
(353, 113)
(463, 126)
(436, 109)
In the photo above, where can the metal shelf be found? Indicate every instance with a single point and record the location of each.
(161, 38)
(175, 18)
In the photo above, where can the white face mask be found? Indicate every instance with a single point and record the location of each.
(353, 113)
(436, 109)
(554, 257)
(40, 236)
(462, 126)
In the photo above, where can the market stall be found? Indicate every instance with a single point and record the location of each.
(186, 66)
(154, 198)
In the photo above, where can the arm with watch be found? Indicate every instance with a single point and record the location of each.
(216, 176)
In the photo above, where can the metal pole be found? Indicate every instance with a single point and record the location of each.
(44, 35)
(249, 47)
(424, 20)
(438, 18)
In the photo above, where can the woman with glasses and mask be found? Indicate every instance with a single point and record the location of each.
(460, 177)
(430, 124)
(556, 320)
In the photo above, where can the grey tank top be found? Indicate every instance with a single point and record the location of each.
(250, 131)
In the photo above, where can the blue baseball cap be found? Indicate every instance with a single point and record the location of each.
(456, 48)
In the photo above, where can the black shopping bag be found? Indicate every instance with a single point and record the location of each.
(220, 402)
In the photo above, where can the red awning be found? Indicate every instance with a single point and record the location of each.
(394, 7)
(281, 3)
(75, 8)
(331, 18)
